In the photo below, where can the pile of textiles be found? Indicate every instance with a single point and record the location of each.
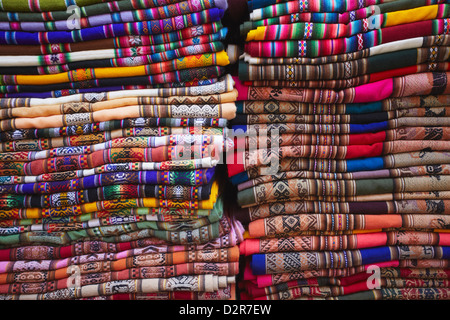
(342, 154)
(112, 133)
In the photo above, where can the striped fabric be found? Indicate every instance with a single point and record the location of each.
(321, 85)
(114, 123)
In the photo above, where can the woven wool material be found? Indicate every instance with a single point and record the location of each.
(224, 85)
(415, 171)
(118, 233)
(340, 18)
(314, 31)
(165, 28)
(194, 61)
(404, 86)
(68, 61)
(400, 160)
(206, 33)
(317, 48)
(289, 107)
(291, 261)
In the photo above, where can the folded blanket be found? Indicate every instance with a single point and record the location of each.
(63, 62)
(132, 171)
(71, 123)
(395, 207)
(110, 85)
(261, 140)
(164, 221)
(225, 84)
(108, 175)
(435, 127)
(187, 24)
(315, 31)
(398, 294)
(359, 153)
(28, 253)
(101, 131)
(317, 48)
(100, 137)
(341, 84)
(111, 192)
(140, 69)
(425, 157)
(334, 17)
(99, 275)
(226, 110)
(362, 288)
(272, 8)
(108, 218)
(430, 84)
(303, 188)
(255, 107)
(169, 178)
(346, 70)
(126, 142)
(356, 9)
(86, 157)
(181, 77)
(205, 34)
(402, 268)
(64, 203)
(42, 5)
(123, 261)
(340, 242)
(291, 261)
(432, 170)
(85, 222)
(422, 46)
(222, 294)
(286, 225)
(119, 233)
(103, 13)
(123, 166)
(61, 290)
(371, 117)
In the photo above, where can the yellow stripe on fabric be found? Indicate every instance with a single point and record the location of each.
(411, 15)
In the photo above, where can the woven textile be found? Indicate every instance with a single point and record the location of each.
(368, 14)
(317, 48)
(187, 24)
(133, 105)
(103, 13)
(204, 34)
(315, 31)
(340, 152)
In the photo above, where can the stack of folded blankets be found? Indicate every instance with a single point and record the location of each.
(342, 151)
(113, 124)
